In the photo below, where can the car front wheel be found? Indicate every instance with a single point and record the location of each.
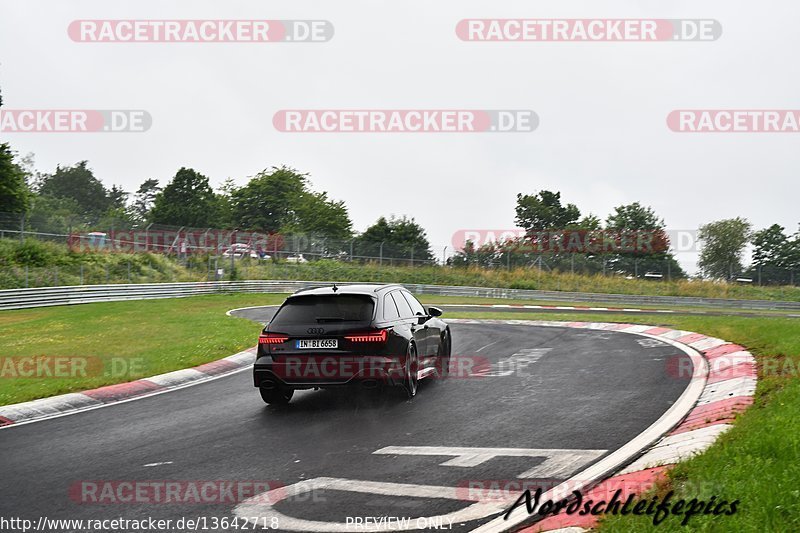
(411, 369)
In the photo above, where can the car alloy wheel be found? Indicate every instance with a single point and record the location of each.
(411, 369)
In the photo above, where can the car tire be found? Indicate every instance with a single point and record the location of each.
(410, 379)
(443, 361)
(276, 395)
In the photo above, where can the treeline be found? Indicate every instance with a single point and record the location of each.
(279, 200)
(632, 241)
(775, 256)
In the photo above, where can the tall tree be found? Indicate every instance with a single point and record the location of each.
(14, 194)
(144, 199)
(634, 216)
(640, 228)
(544, 211)
(723, 245)
(319, 215)
(224, 198)
(77, 183)
(13, 187)
(770, 246)
(187, 200)
(268, 201)
(401, 237)
(117, 197)
(281, 200)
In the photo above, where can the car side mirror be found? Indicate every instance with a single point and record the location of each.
(434, 311)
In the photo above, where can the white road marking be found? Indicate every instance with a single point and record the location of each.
(261, 506)
(557, 462)
(158, 464)
(490, 344)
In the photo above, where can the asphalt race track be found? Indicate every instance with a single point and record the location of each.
(570, 397)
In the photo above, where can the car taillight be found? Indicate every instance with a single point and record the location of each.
(370, 336)
(272, 338)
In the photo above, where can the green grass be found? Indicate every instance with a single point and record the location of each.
(149, 336)
(756, 461)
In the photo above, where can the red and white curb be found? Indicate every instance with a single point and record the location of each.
(728, 381)
(67, 404)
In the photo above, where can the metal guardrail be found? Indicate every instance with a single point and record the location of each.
(50, 296)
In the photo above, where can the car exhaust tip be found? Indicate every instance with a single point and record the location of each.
(268, 384)
(369, 384)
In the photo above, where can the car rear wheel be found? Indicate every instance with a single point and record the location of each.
(276, 395)
(410, 381)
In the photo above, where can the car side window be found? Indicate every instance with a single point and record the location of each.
(390, 308)
(416, 307)
(402, 305)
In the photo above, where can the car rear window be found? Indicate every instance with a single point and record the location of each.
(321, 309)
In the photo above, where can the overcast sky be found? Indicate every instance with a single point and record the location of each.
(602, 139)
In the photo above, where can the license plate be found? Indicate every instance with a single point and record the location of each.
(305, 344)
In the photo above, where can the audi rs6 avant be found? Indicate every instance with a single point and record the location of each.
(363, 335)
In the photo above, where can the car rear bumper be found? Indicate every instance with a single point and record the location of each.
(326, 371)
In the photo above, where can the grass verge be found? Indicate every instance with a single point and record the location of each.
(122, 341)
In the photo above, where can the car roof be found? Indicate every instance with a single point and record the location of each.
(371, 289)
